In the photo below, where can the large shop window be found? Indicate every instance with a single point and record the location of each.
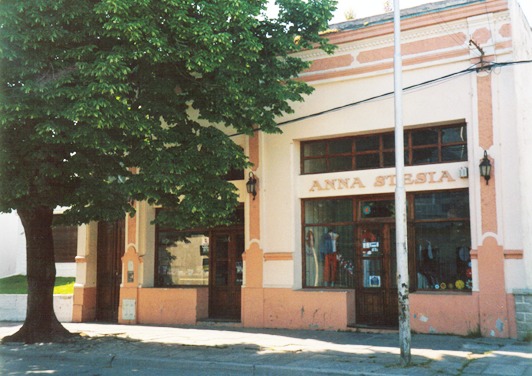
(422, 146)
(336, 247)
(329, 243)
(443, 241)
(182, 257)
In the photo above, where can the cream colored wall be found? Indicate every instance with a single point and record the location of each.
(86, 258)
(449, 101)
(285, 187)
(523, 84)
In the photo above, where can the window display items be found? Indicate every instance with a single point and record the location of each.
(328, 253)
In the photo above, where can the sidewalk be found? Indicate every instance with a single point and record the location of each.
(220, 350)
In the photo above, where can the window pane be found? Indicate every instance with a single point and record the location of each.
(367, 143)
(372, 270)
(389, 159)
(329, 256)
(455, 134)
(367, 161)
(442, 256)
(222, 270)
(425, 155)
(340, 146)
(425, 137)
(377, 209)
(314, 149)
(454, 153)
(181, 259)
(314, 166)
(240, 248)
(442, 205)
(388, 141)
(328, 211)
(340, 164)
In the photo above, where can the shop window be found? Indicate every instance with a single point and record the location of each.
(422, 146)
(338, 252)
(329, 243)
(65, 242)
(182, 257)
(443, 241)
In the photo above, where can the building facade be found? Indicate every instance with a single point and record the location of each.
(315, 248)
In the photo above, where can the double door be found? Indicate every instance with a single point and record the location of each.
(226, 274)
(376, 293)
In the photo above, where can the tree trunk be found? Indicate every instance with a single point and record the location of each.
(41, 324)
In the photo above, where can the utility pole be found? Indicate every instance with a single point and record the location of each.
(400, 196)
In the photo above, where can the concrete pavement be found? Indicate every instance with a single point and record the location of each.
(106, 349)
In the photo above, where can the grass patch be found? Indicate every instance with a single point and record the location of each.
(17, 285)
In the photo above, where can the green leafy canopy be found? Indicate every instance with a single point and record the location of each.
(104, 102)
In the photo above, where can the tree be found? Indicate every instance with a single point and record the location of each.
(105, 102)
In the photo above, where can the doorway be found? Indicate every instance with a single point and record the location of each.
(226, 274)
(111, 244)
(376, 294)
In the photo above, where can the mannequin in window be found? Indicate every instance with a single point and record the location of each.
(312, 259)
(328, 253)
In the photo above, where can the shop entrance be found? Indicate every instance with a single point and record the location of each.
(109, 269)
(226, 273)
(376, 293)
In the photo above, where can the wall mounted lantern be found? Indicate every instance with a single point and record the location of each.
(485, 167)
(251, 185)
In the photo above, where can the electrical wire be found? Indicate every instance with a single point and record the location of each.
(472, 69)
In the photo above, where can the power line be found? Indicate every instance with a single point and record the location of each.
(473, 69)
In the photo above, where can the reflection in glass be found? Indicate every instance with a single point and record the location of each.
(314, 149)
(182, 260)
(425, 155)
(443, 256)
(314, 166)
(328, 211)
(372, 273)
(340, 163)
(454, 134)
(442, 205)
(454, 153)
(340, 146)
(425, 137)
(367, 143)
(240, 248)
(329, 256)
(367, 161)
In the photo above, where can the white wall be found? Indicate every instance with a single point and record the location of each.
(12, 245)
(13, 249)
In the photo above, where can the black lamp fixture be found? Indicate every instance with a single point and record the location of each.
(485, 167)
(251, 185)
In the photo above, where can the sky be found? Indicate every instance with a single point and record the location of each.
(365, 8)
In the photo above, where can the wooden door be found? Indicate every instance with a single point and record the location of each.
(225, 278)
(376, 293)
(109, 269)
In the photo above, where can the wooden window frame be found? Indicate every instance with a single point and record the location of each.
(409, 149)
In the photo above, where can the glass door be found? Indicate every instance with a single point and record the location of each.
(376, 293)
(226, 275)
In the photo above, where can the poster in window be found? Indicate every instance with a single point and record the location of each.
(374, 281)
